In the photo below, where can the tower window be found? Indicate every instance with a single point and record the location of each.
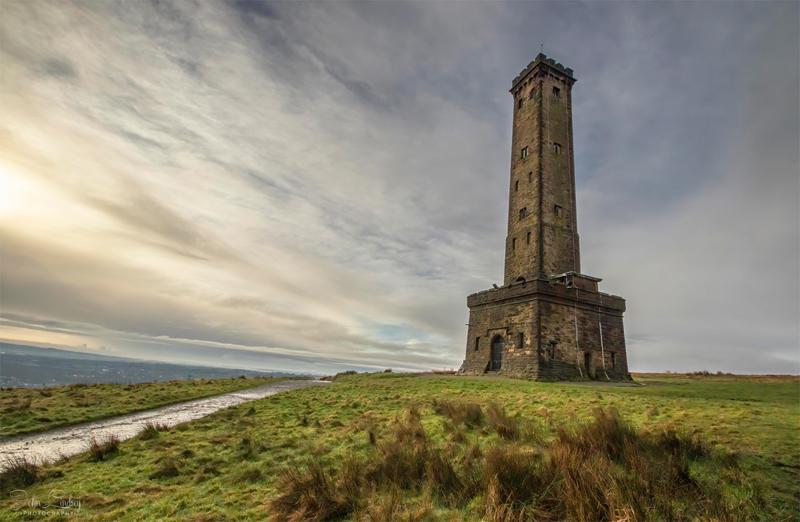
(613, 360)
(520, 103)
(528, 238)
(513, 244)
(551, 350)
(530, 177)
(523, 212)
(558, 210)
(557, 148)
(516, 186)
(556, 93)
(477, 343)
(520, 339)
(523, 153)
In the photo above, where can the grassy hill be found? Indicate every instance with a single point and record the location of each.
(28, 410)
(428, 447)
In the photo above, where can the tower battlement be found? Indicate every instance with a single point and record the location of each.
(544, 64)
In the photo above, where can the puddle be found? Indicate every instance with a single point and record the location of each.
(58, 443)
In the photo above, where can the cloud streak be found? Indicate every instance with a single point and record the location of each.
(321, 185)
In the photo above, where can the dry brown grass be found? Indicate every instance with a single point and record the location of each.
(308, 493)
(103, 449)
(16, 405)
(469, 414)
(18, 473)
(506, 426)
(390, 505)
(151, 430)
(168, 467)
(603, 470)
(718, 376)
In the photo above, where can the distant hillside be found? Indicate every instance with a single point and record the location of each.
(30, 366)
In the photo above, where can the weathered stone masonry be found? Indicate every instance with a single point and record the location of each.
(548, 321)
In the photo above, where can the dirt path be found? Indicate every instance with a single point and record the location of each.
(53, 445)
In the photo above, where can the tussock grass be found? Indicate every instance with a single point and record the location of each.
(470, 415)
(168, 467)
(309, 493)
(151, 430)
(249, 474)
(248, 446)
(103, 449)
(390, 506)
(506, 426)
(18, 473)
(603, 470)
(16, 405)
(467, 413)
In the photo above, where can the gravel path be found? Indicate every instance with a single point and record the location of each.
(55, 444)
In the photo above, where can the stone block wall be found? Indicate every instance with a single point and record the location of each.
(510, 320)
(537, 323)
(566, 356)
(542, 225)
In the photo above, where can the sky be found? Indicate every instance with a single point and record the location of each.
(318, 186)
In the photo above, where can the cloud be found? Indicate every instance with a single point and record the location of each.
(326, 183)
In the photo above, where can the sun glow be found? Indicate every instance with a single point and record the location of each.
(15, 191)
(31, 204)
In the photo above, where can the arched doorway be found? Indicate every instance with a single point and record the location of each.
(587, 363)
(498, 345)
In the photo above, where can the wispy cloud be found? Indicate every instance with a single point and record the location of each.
(323, 184)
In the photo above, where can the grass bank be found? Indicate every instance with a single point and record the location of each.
(474, 449)
(29, 410)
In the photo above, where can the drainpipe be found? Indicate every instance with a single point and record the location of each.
(577, 342)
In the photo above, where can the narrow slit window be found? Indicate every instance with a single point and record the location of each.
(523, 212)
(516, 186)
(528, 238)
(530, 177)
(613, 360)
(513, 244)
(520, 339)
(557, 148)
(477, 343)
(556, 93)
(520, 103)
(558, 210)
(523, 153)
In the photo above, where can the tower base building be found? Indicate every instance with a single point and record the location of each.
(547, 329)
(548, 321)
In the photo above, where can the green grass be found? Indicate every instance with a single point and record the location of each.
(229, 465)
(28, 410)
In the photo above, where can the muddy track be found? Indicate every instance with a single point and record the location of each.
(64, 442)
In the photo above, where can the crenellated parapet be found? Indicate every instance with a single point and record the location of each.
(543, 65)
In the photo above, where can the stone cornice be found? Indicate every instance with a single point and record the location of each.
(541, 289)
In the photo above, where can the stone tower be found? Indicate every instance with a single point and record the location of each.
(547, 321)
